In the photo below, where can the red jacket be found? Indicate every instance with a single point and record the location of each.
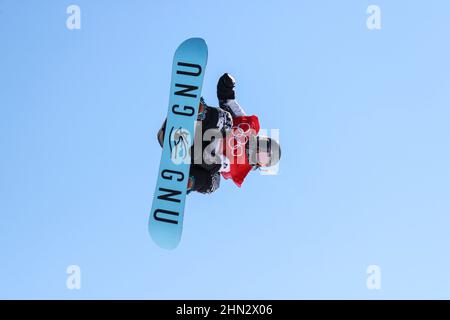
(235, 148)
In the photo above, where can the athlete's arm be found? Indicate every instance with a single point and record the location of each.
(227, 96)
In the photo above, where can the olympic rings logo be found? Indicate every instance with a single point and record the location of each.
(240, 135)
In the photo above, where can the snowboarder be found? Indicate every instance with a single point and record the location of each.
(234, 148)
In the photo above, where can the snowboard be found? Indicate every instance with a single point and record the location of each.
(167, 213)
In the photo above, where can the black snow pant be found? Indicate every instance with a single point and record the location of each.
(204, 177)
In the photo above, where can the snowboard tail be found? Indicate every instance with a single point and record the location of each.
(166, 217)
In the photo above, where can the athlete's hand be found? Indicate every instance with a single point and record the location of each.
(225, 87)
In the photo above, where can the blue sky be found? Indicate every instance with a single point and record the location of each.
(364, 177)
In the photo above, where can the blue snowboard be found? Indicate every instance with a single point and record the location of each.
(166, 218)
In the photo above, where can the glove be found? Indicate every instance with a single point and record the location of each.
(225, 87)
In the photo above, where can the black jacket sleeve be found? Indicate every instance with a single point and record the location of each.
(203, 181)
